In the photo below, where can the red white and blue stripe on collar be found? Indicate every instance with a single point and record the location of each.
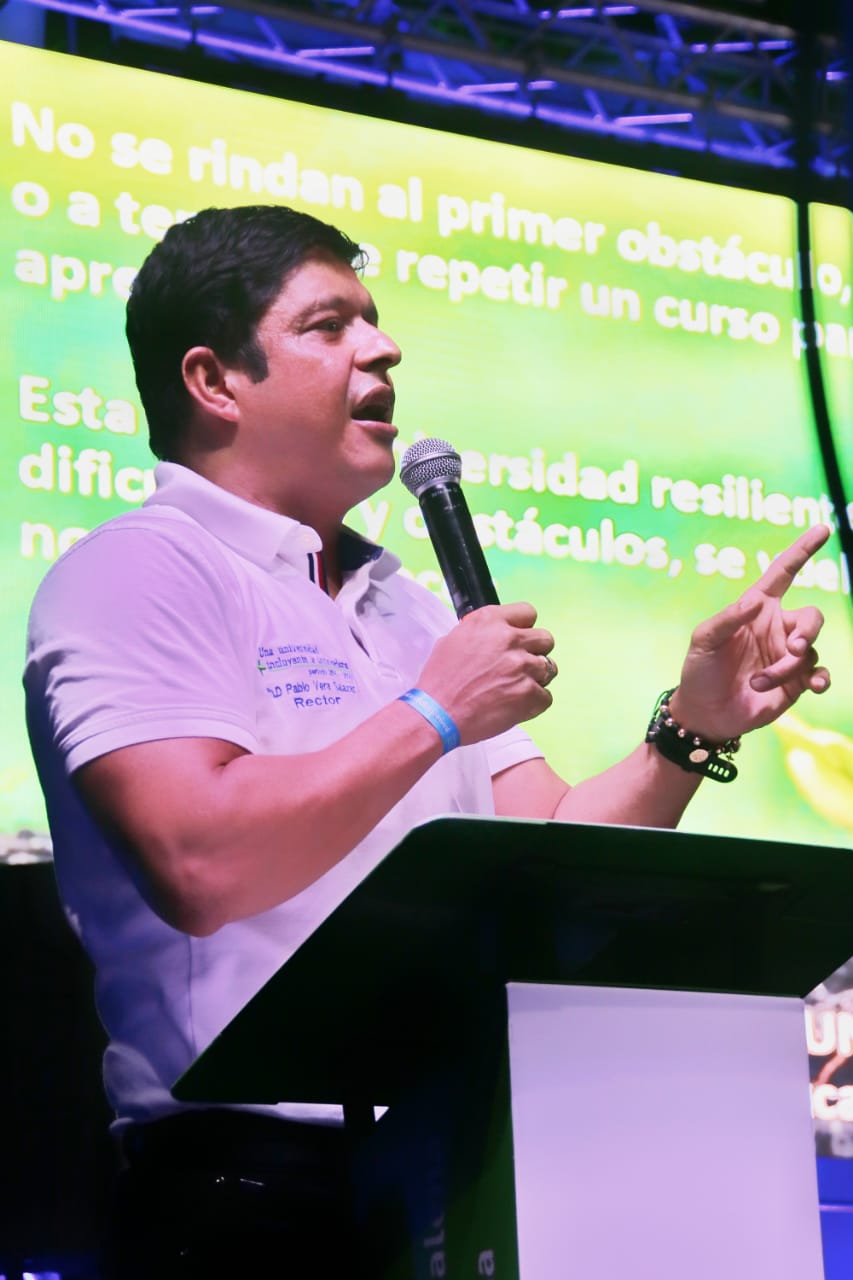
(354, 552)
(317, 570)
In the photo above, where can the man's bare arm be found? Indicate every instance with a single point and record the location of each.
(743, 669)
(220, 834)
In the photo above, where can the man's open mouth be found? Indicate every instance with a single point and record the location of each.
(377, 407)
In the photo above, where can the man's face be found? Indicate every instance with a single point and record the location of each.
(315, 436)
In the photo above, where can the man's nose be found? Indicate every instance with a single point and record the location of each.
(378, 347)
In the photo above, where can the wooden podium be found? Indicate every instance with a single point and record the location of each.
(590, 1041)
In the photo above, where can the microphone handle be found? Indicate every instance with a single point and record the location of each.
(457, 547)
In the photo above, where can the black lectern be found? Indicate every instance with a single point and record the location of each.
(589, 1039)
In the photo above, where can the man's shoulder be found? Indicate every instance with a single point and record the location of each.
(123, 535)
(160, 520)
(152, 545)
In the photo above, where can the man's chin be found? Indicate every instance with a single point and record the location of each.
(373, 479)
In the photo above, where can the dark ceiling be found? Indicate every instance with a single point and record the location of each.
(751, 92)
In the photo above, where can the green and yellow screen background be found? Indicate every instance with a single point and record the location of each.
(616, 354)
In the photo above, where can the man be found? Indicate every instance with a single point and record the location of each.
(206, 814)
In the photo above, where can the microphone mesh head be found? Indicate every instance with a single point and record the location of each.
(427, 461)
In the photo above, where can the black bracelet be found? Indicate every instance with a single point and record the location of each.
(688, 750)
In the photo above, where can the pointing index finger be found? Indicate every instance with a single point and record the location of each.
(779, 575)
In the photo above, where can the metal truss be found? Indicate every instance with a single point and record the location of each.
(694, 77)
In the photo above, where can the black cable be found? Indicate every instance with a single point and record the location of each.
(808, 66)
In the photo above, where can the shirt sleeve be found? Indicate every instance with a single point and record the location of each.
(509, 748)
(135, 636)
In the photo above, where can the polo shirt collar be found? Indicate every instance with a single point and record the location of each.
(263, 537)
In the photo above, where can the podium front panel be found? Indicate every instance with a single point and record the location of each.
(639, 1148)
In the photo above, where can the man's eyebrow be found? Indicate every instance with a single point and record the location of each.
(336, 302)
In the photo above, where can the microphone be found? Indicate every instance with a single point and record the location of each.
(431, 470)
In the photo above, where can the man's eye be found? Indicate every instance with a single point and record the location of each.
(332, 324)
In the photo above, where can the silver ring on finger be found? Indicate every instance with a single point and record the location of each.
(550, 670)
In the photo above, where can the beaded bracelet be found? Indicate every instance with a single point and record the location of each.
(434, 712)
(688, 750)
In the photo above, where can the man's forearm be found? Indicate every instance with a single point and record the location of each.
(219, 834)
(643, 790)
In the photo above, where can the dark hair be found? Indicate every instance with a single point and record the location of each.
(209, 283)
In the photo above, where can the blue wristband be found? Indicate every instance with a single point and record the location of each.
(444, 725)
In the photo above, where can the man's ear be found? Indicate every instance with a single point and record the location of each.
(206, 378)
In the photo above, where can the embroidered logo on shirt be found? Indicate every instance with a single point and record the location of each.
(311, 679)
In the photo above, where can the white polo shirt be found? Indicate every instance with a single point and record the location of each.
(198, 616)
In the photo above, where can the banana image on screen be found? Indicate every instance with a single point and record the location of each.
(820, 762)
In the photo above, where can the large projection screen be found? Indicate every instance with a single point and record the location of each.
(616, 354)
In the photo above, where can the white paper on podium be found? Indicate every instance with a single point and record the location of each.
(661, 1135)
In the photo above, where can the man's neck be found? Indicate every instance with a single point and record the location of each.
(332, 564)
(326, 524)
